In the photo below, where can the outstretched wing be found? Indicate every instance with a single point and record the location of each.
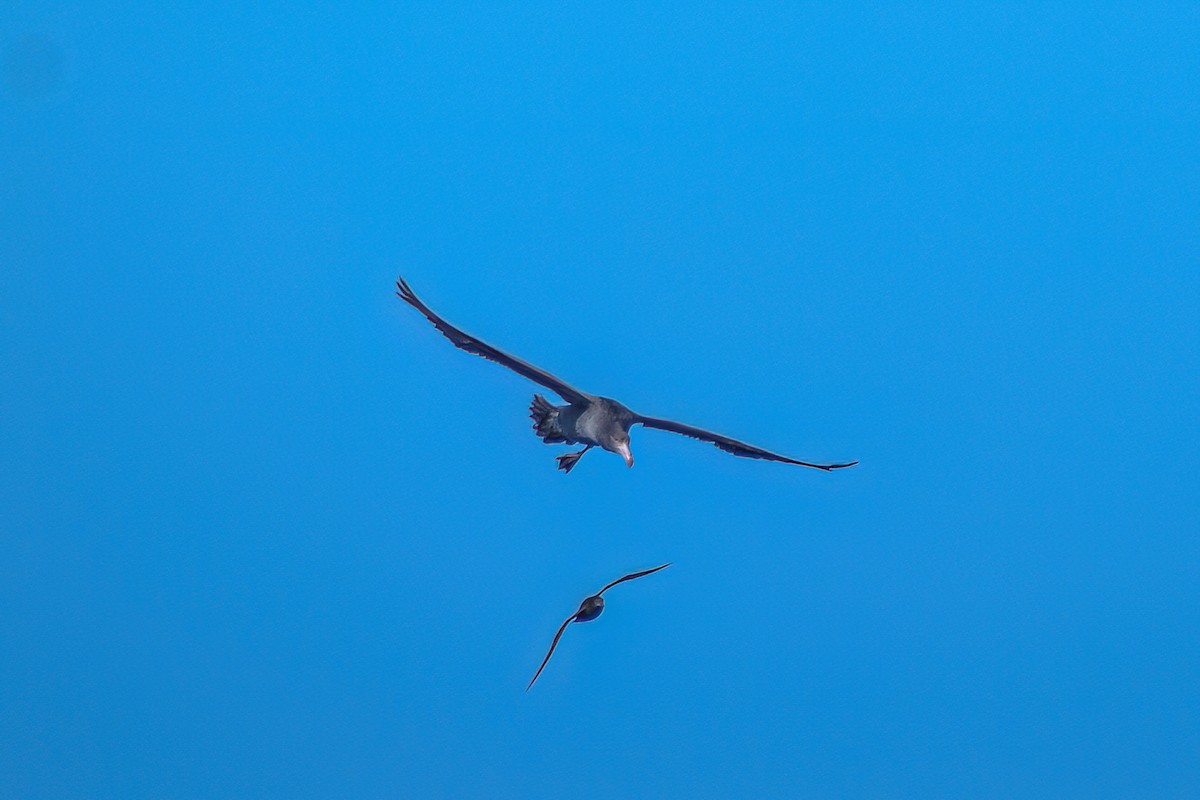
(631, 577)
(550, 652)
(465, 341)
(732, 445)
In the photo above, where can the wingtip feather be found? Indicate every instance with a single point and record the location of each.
(405, 292)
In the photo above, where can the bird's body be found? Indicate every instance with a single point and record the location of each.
(591, 608)
(594, 422)
(597, 420)
(586, 419)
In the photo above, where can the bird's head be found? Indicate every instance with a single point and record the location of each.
(619, 444)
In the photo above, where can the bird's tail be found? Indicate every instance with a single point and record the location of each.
(545, 420)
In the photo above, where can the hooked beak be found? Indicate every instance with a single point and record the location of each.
(623, 449)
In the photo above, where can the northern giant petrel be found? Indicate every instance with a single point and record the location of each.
(586, 419)
(589, 609)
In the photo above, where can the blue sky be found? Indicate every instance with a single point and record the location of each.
(264, 533)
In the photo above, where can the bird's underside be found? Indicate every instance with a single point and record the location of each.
(586, 419)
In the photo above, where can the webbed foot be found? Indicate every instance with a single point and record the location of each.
(567, 461)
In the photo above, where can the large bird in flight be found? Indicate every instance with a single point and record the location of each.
(586, 419)
(589, 609)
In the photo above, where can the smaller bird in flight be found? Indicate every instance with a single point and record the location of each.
(589, 609)
(586, 419)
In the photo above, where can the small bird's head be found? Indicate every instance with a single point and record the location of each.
(589, 609)
(620, 445)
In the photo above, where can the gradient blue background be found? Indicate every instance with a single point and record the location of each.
(263, 533)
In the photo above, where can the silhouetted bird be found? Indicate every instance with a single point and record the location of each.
(589, 609)
(586, 419)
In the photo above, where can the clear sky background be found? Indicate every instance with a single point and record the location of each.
(264, 533)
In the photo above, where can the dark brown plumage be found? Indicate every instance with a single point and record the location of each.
(589, 609)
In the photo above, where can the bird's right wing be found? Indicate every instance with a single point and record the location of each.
(631, 577)
(550, 652)
(465, 341)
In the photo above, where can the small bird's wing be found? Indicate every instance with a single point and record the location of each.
(631, 577)
(731, 445)
(550, 652)
(466, 341)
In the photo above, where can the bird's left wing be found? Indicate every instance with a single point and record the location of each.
(731, 445)
(465, 341)
(550, 652)
(631, 577)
